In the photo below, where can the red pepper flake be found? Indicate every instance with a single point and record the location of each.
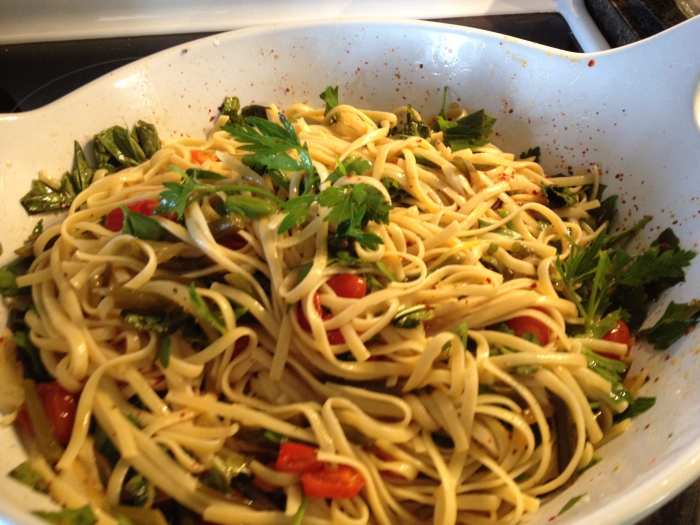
(591, 62)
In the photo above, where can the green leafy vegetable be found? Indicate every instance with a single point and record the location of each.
(223, 468)
(42, 198)
(330, 97)
(462, 332)
(8, 281)
(274, 437)
(115, 148)
(79, 516)
(32, 365)
(164, 346)
(612, 371)
(202, 310)
(356, 165)
(298, 211)
(532, 152)
(178, 196)
(559, 197)
(396, 191)
(27, 475)
(570, 504)
(676, 321)
(470, 131)
(231, 108)
(148, 322)
(141, 226)
(269, 144)
(636, 407)
(352, 207)
(412, 317)
(409, 124)
(147, 137)
(298, 518)
(136, 491)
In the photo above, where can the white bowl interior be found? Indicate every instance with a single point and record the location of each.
(631, 110)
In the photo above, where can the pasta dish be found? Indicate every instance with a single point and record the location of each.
(325, 315)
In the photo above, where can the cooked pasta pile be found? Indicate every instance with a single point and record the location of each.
(429, 346)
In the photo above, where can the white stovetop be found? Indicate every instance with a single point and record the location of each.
(24, 21)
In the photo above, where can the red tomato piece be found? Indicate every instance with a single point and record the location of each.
(23, 422)
(232, 242)
(348, 285)
(60, 407)
(200, 157)
(337, 482)
(115, 219)
(527, 325)
(296, 458)
(335, 337)
(620, 334)
(241, 344)
(301, 316)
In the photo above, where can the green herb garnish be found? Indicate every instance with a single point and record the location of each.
(80, 516)
(331, 97)
(470, 131)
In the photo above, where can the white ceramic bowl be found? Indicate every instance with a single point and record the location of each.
(635, 110)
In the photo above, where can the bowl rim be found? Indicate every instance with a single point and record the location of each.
(648, 495)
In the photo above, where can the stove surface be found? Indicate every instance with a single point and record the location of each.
(32, 75)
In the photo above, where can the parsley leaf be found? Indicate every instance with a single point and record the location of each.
(298, 210)
(27, 475)
(141, 226)
(532, 152)
(80, 516)
(330, 97)
(352, 207)
(655, 265)
(356, 165)
(612, 371)
(470, 131)
(269, 144)
(676, 321)
(559, 197)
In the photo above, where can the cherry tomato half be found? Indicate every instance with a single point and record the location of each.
(60, 407)
(337, 482)
(524, 325)
(348, 285)
(620, 334)
(296, 458)
(115, 219)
